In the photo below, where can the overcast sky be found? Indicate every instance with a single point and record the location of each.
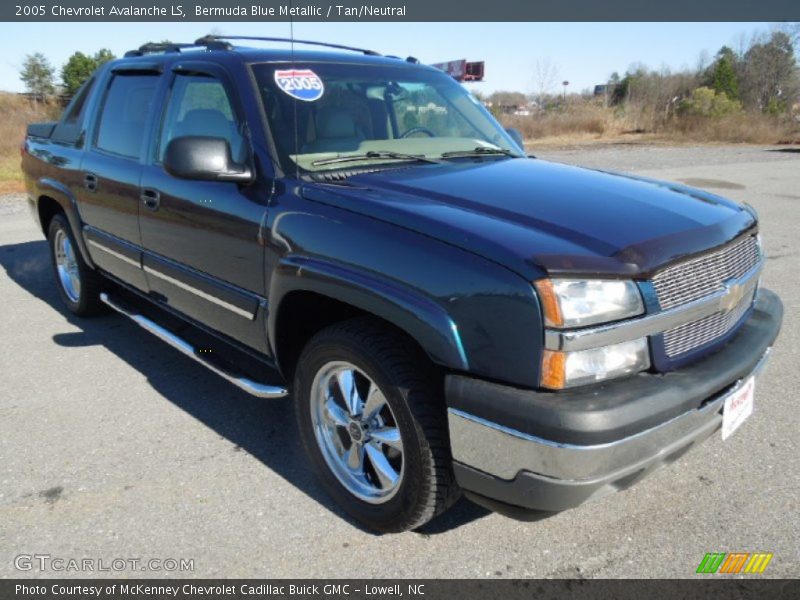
(582, 53)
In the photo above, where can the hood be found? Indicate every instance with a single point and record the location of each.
(534, 216)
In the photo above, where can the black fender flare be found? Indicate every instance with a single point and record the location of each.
(62, 194)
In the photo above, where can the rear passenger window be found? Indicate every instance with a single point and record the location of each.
(199, 106)
(122, 123)
(75, 110)
(70, 127)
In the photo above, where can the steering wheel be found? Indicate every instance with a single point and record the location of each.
(414, 130)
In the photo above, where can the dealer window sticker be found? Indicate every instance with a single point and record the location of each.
(302, 84)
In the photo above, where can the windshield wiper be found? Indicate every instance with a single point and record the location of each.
(373, 154)
(479, 151)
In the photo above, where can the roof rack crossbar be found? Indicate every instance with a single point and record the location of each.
(217, 38)
(158, 47)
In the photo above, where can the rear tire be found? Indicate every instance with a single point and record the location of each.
(78, 284)
(384, 456)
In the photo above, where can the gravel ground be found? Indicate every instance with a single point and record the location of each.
(115, 446)
(635, 157)
(12, 204)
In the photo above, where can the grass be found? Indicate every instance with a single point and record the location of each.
(10, 174)
(740, 128)
(586, 122)
(17, 112)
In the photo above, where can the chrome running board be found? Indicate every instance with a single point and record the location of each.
(259, 390)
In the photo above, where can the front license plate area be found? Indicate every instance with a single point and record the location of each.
(737, 407)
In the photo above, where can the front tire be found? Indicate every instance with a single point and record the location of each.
(372, 419)
(78, 285)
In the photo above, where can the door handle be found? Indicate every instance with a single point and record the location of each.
(90, 182)
(150, 198)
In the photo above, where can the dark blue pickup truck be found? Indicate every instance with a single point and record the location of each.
(449, 314)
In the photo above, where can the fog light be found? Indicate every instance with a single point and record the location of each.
(567, 369)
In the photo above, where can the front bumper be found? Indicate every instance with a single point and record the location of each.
(547, 451)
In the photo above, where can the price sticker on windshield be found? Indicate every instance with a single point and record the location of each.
(302, 84)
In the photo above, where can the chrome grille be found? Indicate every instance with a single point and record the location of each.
(702, 276)
(693, 335)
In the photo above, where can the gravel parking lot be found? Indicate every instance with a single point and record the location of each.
(113, 445)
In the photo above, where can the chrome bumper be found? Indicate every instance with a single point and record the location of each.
(503, 453)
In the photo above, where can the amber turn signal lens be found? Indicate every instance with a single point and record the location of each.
(554, 365)
(550, 305)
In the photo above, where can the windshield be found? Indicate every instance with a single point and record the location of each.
(371, 115)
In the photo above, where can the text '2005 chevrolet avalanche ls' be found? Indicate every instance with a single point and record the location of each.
(449, 314)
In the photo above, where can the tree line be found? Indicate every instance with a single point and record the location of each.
(39, 75)
(759, 77)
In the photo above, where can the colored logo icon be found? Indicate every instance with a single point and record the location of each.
(734, 562)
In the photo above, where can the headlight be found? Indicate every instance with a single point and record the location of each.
(581, 302)
(567, 369)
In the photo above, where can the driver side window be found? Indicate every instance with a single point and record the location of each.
(200, 106)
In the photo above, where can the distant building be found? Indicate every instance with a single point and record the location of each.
(520, 110)
(605, 91)
(461, 70)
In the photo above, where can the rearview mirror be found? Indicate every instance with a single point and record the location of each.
(204, 158)
(516, 135)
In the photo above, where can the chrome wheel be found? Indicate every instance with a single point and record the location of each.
(67, 265)
(357, 432)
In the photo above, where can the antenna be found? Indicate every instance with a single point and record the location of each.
(294, 102)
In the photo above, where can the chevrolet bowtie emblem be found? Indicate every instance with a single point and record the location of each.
(734, 292)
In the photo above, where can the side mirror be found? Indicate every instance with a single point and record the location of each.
(516, 135)
(204, 158)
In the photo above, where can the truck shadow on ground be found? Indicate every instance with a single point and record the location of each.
(265, 429)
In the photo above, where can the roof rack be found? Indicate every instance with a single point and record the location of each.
(169, 47)
(210, 39)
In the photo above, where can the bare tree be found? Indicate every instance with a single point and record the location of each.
(770, 77)
(650, 97)
(793, 31)
(507, 98)
(703, 60)
(741, 45)
(545, 76)
(478, 95)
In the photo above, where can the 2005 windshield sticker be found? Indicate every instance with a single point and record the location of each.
(302, 84)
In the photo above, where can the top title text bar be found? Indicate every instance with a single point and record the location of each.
(401, 10)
